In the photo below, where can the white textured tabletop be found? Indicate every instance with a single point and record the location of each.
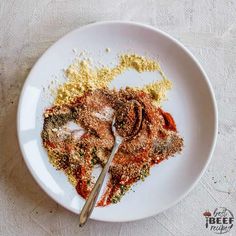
(28, 27)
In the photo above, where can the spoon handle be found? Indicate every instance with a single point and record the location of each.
(91, 201)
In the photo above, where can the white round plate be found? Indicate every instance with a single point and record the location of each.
(191, 102)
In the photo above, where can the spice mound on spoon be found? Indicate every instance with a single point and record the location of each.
(128, 119)
(126, 124)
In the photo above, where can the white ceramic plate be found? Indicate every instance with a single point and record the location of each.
(191, 102)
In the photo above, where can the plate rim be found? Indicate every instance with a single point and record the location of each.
(193, 58)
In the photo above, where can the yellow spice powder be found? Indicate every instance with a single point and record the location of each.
(158, 90)
(139, 63)
(82, 77)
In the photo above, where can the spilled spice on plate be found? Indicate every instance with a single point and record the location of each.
(77, 128)
(82, 77)
(78, 136)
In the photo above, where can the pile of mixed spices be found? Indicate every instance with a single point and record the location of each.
(77, 128)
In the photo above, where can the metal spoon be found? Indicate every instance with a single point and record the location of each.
(91, 201)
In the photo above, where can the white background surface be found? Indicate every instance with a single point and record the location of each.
(27, 28)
